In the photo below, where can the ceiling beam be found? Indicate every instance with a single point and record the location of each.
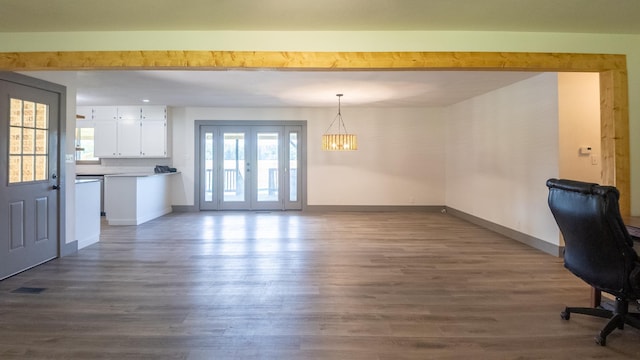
(612, 68)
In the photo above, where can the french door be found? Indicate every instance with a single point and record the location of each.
(250, 167)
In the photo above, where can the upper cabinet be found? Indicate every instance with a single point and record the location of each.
(129, 137)
(153, 138)
(104, 113)
(128, 131)
(154, 113)
(129, 112)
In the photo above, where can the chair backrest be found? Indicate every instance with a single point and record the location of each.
(598, 248)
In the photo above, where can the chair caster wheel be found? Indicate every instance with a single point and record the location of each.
(565, 315)
(601, 341)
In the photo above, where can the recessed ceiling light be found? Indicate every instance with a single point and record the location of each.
(145, 100)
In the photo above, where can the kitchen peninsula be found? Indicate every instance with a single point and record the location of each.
(132, 199)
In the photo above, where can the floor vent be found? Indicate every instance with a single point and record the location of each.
(28, 290)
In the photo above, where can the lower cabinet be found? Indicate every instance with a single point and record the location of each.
(87, 212)
(132, 199)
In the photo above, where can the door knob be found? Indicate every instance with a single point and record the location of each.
(55, 187)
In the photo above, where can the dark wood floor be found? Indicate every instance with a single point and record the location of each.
(302, 286)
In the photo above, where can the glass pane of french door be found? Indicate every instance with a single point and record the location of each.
(267, 154)
(223, 168)
(267, 166)
(234, 167)
(207, 151)
(293, 154)
(293, 166)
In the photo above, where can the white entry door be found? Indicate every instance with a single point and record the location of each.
(249, 168)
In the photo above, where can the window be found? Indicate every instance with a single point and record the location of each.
(85, 145)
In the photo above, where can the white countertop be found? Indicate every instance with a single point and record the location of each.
(140, 174)
(84, 181)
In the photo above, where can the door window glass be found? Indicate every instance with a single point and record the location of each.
(28, 141)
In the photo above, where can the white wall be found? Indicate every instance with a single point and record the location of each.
(501, 148)
(579, 126)
(400, 160)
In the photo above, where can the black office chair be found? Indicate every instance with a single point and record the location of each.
(598, 248)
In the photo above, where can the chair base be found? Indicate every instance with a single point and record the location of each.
(618, 317)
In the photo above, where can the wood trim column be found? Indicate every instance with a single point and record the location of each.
(614, 132)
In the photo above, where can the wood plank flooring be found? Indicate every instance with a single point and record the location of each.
(342, 285)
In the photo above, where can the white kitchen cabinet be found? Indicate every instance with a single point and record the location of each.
(129, 112)
(87, 212)
(104, 112)
(129, 138)
(132, 199)
(130, 131)
(105, 138)
(153, 138)
(154, 113)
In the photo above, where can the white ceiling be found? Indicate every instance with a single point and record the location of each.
(295, 88)
(239, 88)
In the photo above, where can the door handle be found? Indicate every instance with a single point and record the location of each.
(55, 187)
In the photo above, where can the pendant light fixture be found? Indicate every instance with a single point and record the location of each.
(340, 140)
